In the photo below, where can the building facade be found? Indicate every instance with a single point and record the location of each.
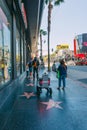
(15, 46)
(12, 42)
(80, 43)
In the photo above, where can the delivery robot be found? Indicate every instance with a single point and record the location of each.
(44, 83)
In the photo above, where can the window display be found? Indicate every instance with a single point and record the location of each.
(5, 48)
(17, 52)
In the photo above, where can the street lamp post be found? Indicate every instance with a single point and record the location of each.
(42, 33)
(40, 46)
(50, 6)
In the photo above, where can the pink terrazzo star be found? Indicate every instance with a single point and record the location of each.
(28, 95)
(52, 104)
(30, 84)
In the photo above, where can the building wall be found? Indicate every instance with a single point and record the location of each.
(12, 50)
(12, 43)
(81, 43)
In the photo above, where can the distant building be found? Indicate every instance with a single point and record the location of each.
(62, 47)
(80, 43)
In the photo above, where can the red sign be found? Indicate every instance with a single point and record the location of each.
(24, 15)
(74, 47)
(85, 43)
(81, 55)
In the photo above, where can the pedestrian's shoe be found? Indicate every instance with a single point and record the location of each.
(63, 88)
(37, 79)
(33, 78)
(58, 88)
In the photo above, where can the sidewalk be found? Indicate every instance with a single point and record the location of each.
(64, 110)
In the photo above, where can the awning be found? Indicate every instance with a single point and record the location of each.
(81, 55)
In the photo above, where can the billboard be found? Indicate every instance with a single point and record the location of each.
(62, 46)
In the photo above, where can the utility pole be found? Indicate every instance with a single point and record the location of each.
(40, 46)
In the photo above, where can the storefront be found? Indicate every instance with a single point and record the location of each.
(12, 44)
(5, 44)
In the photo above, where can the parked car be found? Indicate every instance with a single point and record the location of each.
(85, 63)
(81, 62)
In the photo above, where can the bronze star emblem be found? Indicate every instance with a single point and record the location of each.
(28, 95)
(52, 104)
(30, 84)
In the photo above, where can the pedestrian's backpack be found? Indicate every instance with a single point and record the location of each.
(57, 74)
(35, 63)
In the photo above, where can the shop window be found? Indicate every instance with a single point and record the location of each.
(22, 52)
(5, 48)
(17, 52)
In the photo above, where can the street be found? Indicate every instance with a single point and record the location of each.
(78, 73)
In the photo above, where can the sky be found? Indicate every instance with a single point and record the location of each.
(67, 20)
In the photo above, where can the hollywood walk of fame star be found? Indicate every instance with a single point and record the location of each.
(52, 104)
(28, 95)
(30, 84)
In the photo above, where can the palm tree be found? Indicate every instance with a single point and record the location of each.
(42, 32)
(50, 6)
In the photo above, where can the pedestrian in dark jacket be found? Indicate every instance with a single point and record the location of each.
(62, 68)
(35, 64)
(27, 70)
(30, 67)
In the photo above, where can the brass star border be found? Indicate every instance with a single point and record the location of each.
(51, 103)
(28, 95)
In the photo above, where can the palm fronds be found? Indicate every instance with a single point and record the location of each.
(57, 2)
(46, 2)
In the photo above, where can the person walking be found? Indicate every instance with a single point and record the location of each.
(54, 66)
(62, 70)
(30, 67)
(35, 64)
(27, 70)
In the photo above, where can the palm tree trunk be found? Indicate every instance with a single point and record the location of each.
(40, 46)
(49, 22)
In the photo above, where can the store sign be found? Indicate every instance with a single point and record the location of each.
(24, 15)
(62, 46)
(58, 47)
(84, 43)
